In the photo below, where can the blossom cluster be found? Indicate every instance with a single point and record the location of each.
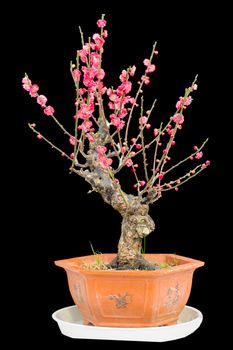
(104, 116)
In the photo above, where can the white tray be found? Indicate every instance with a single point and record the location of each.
(70, 323)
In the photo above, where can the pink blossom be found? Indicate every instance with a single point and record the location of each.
(82, 91)
(179, 104)
(72, 140)
(142, 183)
(86, 125)
(95, 59)
(39, 136)
(123, 149)
(105, 162)
(33, 90)
(191, 158)
(156, 132)
(142, 120)
(99, 41)
(76, 74)
(113, 97)
(178, 182)
(188, 101)
(199, 155)
(132, 71)
(193, 171)
(26, 83)
(150, 68)
(178, 118)
(119, 123)
(133, 140)
(156, 52)
(33, 125)
(173, 143)
(138, 146)
(148, 126)
(83, 53)
(161, 176)
(41, 99)
(49, 110)
(132, 100)
(146, 62)
(195, 148)
(124, 88)
(101, 149)
(62, 154)
(123, 113)
(105, 33)
(164, 151)
(101, 23)
(123, 76)
(129, 162)
(194, 87)
(90, 137)
(176, 189)
(145, 79)
(207, 162)
(72, 155)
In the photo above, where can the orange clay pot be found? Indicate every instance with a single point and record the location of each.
(130, 298)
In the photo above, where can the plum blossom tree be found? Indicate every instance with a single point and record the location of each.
(112, 132)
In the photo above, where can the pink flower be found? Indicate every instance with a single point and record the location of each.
(49, 110)
(156, 132)
(26, 83)
(194, 87)
(99, 41)
(173, 143)
(101, 149)
(195, 148)
(33, 90)
(123, 113)
(176, 189)
(138, 146)
(145, 79)
(142, 120)
(148, 126)
(178, 118)
(105, 162)
(188, 101)
(72, 140)
(119, 123)
(132, 71)
(161, 176)
(101, 23)
(179, 104)
(39, 136)
(150, 68)
(146, 62)
(76, 74)
(207, 162)
(142, 183)
(105, 33)
(129, 162)
(123, 76)
(199, 155)
(41, 99)
(90, 137)
(83, 53)
(86, 125)
(123, 149)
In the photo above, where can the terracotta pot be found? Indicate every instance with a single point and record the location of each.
(130, 298)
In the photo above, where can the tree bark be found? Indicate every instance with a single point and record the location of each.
(136, 225)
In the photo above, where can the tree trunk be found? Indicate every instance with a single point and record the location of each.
(136, 225)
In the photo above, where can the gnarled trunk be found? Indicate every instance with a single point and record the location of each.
(136, 225)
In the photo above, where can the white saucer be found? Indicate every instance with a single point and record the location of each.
(70, 323)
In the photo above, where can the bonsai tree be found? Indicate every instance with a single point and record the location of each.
(112, 132)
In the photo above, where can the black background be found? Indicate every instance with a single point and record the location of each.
(53, 217)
